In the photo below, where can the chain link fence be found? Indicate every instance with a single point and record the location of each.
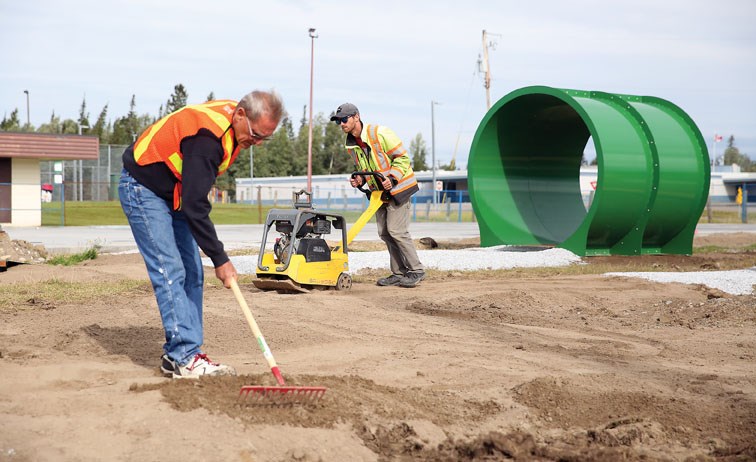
(84, 180)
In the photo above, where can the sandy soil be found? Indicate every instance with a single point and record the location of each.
(486, 366)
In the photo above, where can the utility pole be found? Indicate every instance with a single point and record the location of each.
(27, 107)
(433, 151)
(251, 174)
(309, 134)
(81, 168)
(487, 70)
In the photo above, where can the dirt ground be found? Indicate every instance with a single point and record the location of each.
(466, 367)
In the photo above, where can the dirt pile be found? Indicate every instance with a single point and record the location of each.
(13, 252)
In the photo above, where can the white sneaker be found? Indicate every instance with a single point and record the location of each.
(201, 365)
(167, 365)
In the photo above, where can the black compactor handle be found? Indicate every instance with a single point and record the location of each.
(377, 175)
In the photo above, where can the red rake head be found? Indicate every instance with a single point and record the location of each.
(281, 394)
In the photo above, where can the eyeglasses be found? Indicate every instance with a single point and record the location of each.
(342, 120)
(255, 136)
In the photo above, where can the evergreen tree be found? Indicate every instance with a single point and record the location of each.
(732, 155)
(320, 157)
(127, 129)
(177, 100)
(210, 97)
(277, 157)
(419, 153)
(299, 143)
(100, 128)
(53, 126)
(69, 127)
(240, 167)
(84, 115)
(339, 161)
(11, 124)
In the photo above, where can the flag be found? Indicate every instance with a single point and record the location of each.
(717, 138)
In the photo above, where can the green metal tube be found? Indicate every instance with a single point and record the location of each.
(524, 172)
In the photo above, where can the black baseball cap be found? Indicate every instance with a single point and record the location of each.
(345, 110)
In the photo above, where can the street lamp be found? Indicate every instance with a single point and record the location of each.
(309, 134)
(80, 171)
(433, 150)
(27, 107)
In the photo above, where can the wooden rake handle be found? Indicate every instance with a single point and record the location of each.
(256, 331)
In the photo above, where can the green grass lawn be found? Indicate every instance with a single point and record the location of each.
(109, 213)
(728, 216)
(92, 213)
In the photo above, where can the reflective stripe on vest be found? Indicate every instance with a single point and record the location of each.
(383, 161)
(406, 183)
(381, 158)
(161, 142)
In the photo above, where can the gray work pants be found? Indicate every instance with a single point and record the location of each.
(393, 229)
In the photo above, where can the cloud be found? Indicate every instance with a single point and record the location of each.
(391, 59)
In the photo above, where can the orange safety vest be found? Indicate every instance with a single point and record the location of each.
(161, 142)
(382, 159)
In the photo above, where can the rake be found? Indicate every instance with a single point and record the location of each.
(282, 393)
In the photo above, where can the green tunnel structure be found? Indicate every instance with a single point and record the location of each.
(524, 173)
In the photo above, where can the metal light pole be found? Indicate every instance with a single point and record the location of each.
(251, 174)
(81, 168)
(433, 151)
(27, 107)
(309, 134)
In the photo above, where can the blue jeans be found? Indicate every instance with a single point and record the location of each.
(173, 264)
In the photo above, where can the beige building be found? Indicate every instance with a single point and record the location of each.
(20, 155)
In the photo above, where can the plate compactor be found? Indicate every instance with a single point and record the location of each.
(302, 260)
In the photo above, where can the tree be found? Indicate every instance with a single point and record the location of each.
(12, 124)
(418, 153)
(101, 128)
(339, 161)
(83, 114)
(277, 156)
(126, 129)
(240, 167)
(210, 97)
(177, 100)
(732, 155)
(67, 126)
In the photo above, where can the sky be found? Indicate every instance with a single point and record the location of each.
(393, 59)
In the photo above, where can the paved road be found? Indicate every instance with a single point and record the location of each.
(71, 239)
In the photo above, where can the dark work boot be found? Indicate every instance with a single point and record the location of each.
(411, 279)
(392, 280)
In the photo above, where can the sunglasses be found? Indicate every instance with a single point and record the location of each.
(342, 120)
(255, 136)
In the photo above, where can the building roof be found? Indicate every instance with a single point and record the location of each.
(48, 146)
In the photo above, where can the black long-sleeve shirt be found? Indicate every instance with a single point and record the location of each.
(202, 155)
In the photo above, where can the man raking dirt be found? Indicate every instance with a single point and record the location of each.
(167, 175)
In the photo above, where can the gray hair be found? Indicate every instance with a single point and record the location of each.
(258, 103)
